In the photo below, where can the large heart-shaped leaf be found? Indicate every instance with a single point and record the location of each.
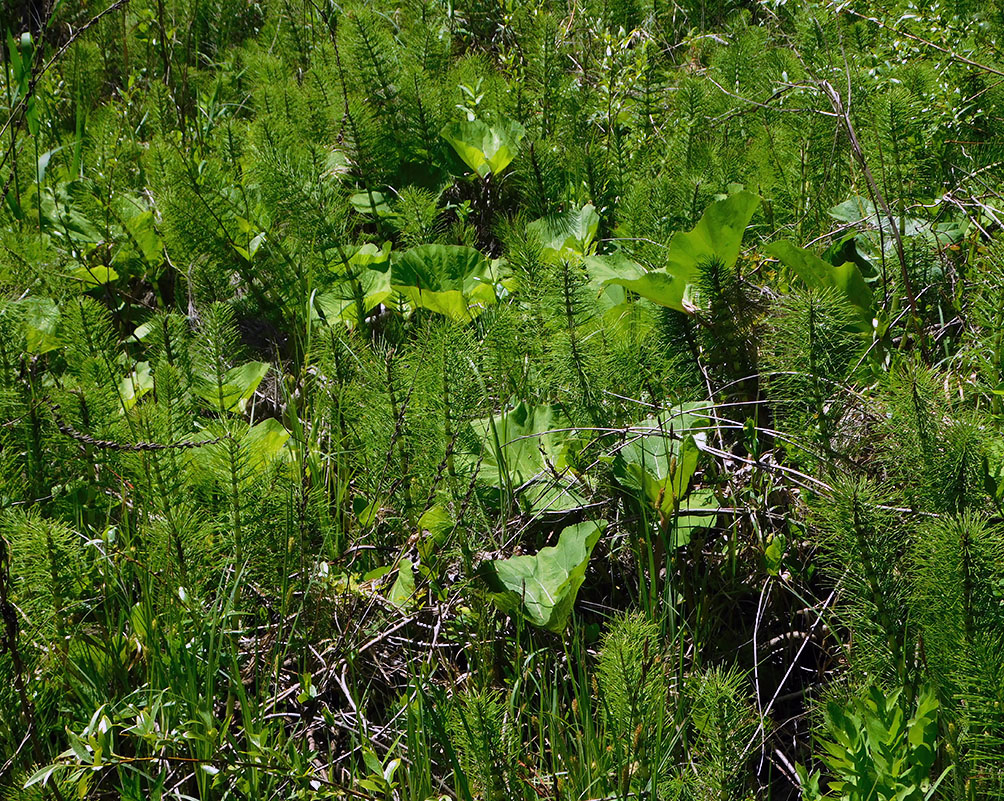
(239, 385)
(660, 458)
(544, 586)
(718, 236)
(371, 256)
(520, 445)
(698, 510)
(846, 278)
(61, 212)
(486, 149)
(452, 280)
(263, 443)
(95, 276)
(135, 385)
(143, 232)
(861, 212)
(568, 234)
(373, 203)
(658, 467)
(339, 302)
(523, 453)
(403, 590)
(41, 322)
(654, 285)
(261, 449)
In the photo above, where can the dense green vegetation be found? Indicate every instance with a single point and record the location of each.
(410, 399)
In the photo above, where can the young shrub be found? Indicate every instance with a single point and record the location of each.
(875, 753)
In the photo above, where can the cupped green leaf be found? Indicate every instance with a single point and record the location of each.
(372, 203)
(717, 236)
(568, 234)
(661, 455)
(239, 385)
(543, 587)
(95, 276)
(143, 232)
(41, 321)
(655, 286)
(339, 302)
(263, 443)
(698, 510)
(520, 445)
(486, 149)
(452, 280)
(371, 255)
(403, 589)
(135, 385)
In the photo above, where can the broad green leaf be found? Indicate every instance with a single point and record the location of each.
(698, 510)
(485, 149)
(554, 495)
(435, 525)
(369, 255)
(544, 586)
(515, 445)
(337, 164)
(43, 163)
(523, 454)
(855, 210)
(403, 590)
(41, 320)
(661, 455)
(612, 275)
(339, 303)
(453, 303)
(863, 214)
(773, 554)
(95, 276)
(62, 214)
(438, 267)
(818, 274)
(238, 387)
(657, 287)
(566, 235)
(718, 235)
(366, 511)
(370, 203)
(141, 229)
(452, 280)
(658, 467)
(436, 520)
(263, 443)
(604, 269)
(135, 385)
